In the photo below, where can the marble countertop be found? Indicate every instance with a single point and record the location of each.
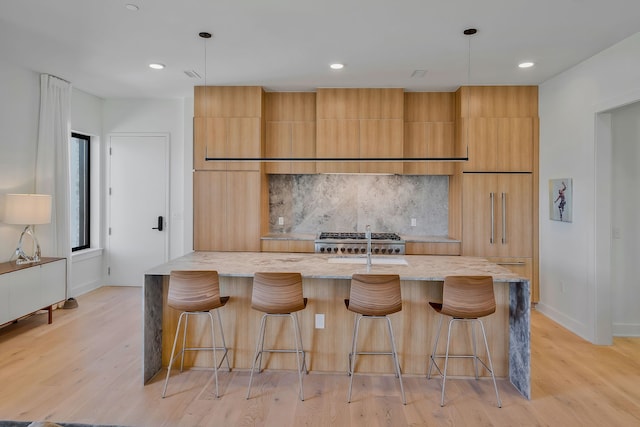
(418, 267)
(405, 237)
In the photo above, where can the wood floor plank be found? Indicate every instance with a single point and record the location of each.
(86, 367)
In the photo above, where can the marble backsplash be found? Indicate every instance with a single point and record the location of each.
(313, 203)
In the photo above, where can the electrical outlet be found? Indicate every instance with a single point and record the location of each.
(280, 220)
(319, 321)
(413, 222)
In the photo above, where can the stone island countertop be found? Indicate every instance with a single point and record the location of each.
(421, 276)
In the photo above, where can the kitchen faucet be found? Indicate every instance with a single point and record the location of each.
(368, 236)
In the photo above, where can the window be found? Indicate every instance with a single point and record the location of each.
(79, 192)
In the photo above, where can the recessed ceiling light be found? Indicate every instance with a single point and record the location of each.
(156, 66)
(336, 66)
(132, 7)
(526, 64)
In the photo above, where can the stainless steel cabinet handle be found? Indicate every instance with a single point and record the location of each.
(491, 196)
(504, 219)
(511, 263)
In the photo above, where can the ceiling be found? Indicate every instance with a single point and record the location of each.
(104, 48)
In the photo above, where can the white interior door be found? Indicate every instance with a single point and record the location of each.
(137, 198)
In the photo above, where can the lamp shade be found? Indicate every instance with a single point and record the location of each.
(27, 209)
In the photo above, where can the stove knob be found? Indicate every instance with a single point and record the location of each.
(363, 250)
(321, 249)
(342, 249)
(384, 250)
(397, 250)
(376, 250)
(335, 249)
(350, 250)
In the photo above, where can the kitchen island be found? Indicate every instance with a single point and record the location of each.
(326, 280)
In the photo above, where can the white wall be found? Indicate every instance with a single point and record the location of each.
(172, 116)
(87, 270)
(625, 268)
(19, 111)
(571, 254)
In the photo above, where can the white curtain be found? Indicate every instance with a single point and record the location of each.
(52, 165)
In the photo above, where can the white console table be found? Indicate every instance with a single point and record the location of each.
(27, 288)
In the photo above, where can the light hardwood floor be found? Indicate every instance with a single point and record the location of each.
(86, 367)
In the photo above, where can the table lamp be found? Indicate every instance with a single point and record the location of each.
(27, 210)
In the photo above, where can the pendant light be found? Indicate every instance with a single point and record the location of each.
(205, 36)
(469, 32)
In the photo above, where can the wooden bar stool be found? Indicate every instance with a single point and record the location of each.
(279, 295)
(374, 296)
(465, 299)
(196, 293)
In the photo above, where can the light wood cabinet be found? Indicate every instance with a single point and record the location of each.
(338, 138)
(235, 137)
(359, 123)
(25, 289)
(227, 210)
(290, 132)
(498, 125)
(296, 246)
(429, 131)
(497, 215)
(228, 123)
(432, 248)
(500, 144)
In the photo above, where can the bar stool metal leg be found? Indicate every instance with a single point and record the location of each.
(493, 377)
(352, 356)
(432, 360)
(395, 359)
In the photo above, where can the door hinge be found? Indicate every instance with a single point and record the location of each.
(108, 271)
(109, 231)
(109, 190)
(109, 150)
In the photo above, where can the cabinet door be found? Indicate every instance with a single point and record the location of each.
(5, 280)
(482, 144)
(210, 136)
(500, 144)
(429, 139)
(514, 144)
(53, 276)
(338, 139)
(278, 145)
(291, 139)
(303, 146)
(243, 211)
(381, 139)
(515, 215)
(243, 141)
(497, 215)
(209, 210)
(479, 215)
(24, 292)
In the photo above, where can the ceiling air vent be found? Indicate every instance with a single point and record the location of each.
(192, 74)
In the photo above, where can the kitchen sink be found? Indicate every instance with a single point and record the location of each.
(363, 260)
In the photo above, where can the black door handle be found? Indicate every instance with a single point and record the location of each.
(160, 222)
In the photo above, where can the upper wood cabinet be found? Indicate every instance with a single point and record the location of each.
(360, 124)
(500, 144)
(226, 137)
(498, 127)
(429, 131)
(360, 103)
(290, 131)
(228, 123)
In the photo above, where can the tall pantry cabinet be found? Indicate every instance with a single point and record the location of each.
(230, 198)
(499, 127)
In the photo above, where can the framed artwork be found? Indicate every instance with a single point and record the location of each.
(561, 199)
